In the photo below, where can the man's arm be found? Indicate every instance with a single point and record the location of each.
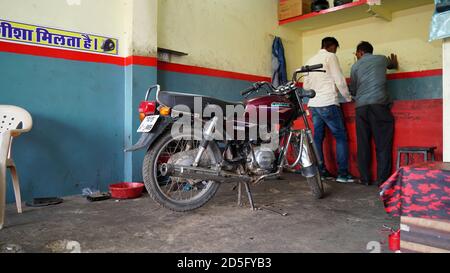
(338, 77)
(353, 87)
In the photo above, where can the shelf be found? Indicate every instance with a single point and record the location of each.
(172, 52)
(350, 12)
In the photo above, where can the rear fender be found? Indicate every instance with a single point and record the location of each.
(147, 139)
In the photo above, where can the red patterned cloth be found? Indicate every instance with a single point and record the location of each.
(421, 191)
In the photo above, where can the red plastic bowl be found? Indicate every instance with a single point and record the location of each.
(126, 190)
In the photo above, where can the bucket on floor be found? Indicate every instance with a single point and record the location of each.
(126, 190)
(394, 241)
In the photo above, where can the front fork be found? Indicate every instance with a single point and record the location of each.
(307, 156)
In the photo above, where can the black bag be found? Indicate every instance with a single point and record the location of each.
(341, 2)
(318, 5)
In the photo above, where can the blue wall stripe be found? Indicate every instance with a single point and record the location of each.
(77, 139)
(416, 88)
(222, 88)
(143, 78)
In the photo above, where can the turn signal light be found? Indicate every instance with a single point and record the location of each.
(164, 111)
(141, 116)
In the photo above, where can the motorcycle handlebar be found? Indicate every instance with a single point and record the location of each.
(248, 90)
(309, 68)
(256, 86)
(308, 94)
(287, 87)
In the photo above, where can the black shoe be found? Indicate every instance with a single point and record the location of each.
(326, 175)
(345, 179)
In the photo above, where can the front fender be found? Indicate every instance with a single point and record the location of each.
(147, 139)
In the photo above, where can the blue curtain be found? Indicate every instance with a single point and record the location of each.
(279, 76)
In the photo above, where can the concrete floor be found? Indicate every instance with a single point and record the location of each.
(348, 219)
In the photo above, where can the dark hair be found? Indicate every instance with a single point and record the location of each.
(365, 47)
(329, 41)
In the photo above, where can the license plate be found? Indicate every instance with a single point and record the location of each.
(147, 124)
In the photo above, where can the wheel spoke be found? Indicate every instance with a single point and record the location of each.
(178, 189)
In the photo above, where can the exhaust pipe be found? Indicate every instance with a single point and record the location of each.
(188, 172)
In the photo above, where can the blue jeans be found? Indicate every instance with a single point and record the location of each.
(331, 116)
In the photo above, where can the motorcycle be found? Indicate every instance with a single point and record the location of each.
(182, 172)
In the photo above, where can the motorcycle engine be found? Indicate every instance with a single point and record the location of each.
(265, 160)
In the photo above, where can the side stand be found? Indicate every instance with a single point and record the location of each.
(249, 195)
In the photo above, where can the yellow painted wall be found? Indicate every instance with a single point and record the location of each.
(118, 19)
(234, 35)
(406, 35)
(144, 25)
(231, 35)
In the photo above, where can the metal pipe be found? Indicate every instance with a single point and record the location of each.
(313, 145)
(267, 176)
(250, 197)
(299, 157)
(284, 150)
(158, 89)
(208, 136)
(188, 172)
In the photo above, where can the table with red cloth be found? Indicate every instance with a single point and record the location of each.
(421, 191)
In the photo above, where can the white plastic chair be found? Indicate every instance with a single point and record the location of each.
(13, 122)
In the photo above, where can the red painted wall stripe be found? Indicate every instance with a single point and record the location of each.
(152, 61)
(187, 69)
(405, 75)
(41, 51)
(141, 60)
(416, 74)
(131, 60)
(59, 53)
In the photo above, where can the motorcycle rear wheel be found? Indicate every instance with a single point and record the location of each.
(158, 187)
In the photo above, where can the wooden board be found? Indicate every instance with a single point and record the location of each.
(424, 235)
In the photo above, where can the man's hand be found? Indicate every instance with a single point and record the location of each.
(392, 61)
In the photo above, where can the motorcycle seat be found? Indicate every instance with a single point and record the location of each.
(172, 99)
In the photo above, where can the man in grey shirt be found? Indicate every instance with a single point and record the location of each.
(373, 111)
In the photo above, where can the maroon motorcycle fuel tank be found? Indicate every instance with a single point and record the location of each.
(280, 104)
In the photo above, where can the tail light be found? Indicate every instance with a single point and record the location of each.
(146, 108)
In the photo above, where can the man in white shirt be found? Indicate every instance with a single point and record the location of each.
(325, 107)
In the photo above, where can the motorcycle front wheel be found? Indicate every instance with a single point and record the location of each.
(176, 194)
(316, 186)
(314, 182)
